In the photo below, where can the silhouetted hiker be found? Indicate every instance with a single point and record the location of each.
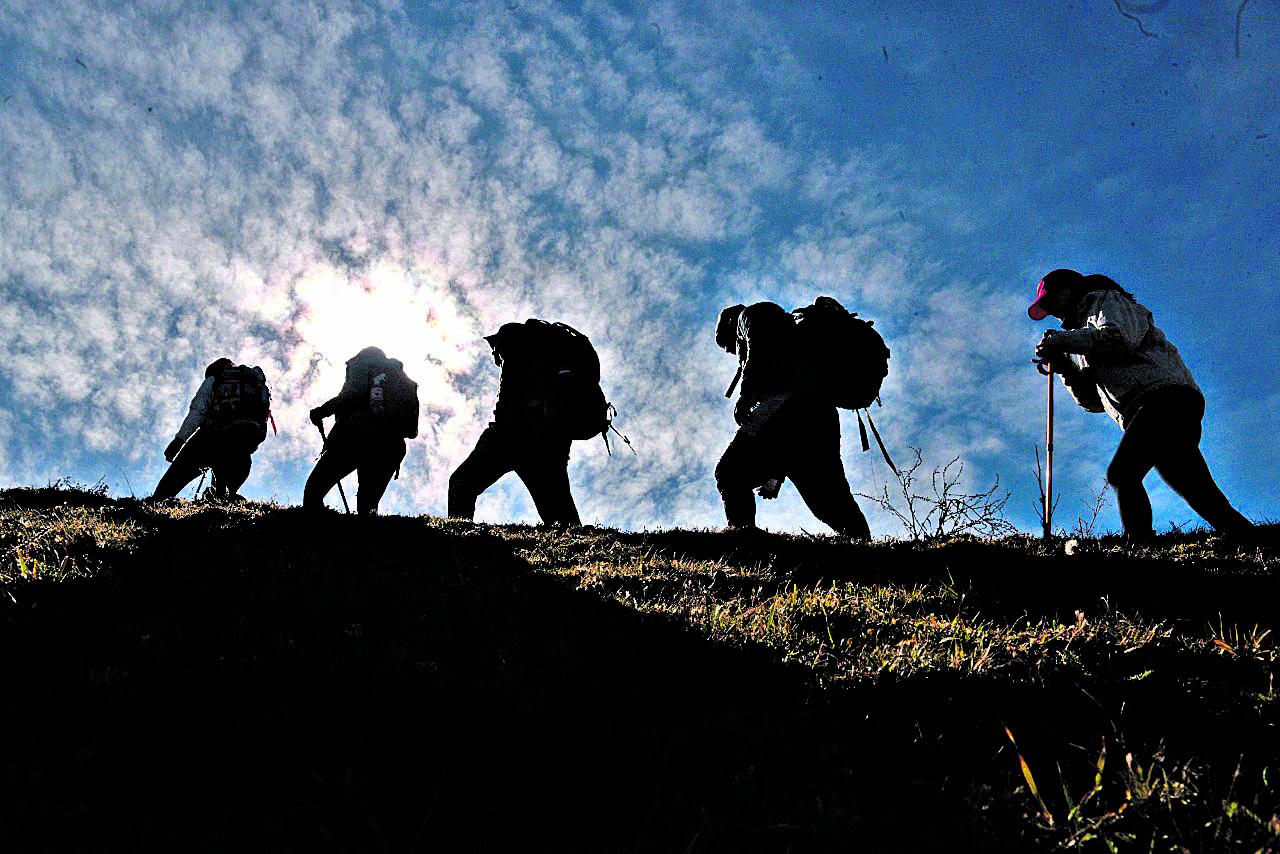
(376, 411)
(1114, 359)
(549, 395)
(788, 423)
(225, 425)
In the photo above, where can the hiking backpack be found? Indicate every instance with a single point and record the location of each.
(240, 393)
(848, 357)
(573, 373)
(392, 398)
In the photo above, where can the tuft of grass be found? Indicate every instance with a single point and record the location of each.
(60, 543)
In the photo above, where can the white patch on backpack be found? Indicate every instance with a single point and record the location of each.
(377, 403)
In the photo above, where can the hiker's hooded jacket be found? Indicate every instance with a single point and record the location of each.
(766, 348)
(1120, 355)
(523, 390)
(199, 410)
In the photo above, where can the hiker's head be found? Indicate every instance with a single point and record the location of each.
(217, 366)
(368, 354)
(1057, 294)
(506, 341)
(727, 328)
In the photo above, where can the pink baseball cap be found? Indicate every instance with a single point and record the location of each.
(1051, 281)
(1034, 311)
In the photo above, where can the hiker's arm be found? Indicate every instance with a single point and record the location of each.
(199, 409)
(748, 382)
(1081, 384)
(750, 354)
(1115, 327)
(332, 406)
(345, 401)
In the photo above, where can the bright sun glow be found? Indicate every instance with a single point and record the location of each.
(407, 314)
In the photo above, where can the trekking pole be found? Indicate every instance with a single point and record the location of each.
(341, 491)
(1047, 370)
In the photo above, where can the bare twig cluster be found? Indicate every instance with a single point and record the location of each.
(1087, 528)
(947, 509)
(1239, 17)
(1040, 484)
(1131, 11)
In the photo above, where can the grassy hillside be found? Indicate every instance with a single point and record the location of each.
(240, 676)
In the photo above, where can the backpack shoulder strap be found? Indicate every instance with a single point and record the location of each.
(883, 450)
(733, 385)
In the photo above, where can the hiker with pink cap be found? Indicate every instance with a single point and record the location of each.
(1113, 358)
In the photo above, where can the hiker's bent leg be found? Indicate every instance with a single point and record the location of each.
(235, 459)
(738, 472)
(185, 467)
(334, 464)
(753, 456)
(546, 476)
(1133, 460)
(818, 474)
(375, 472)
(176, 478)
(232, 470)
(1183, 467)
(488, 461)
(1189, 476)
(236, 472)
(826, 491)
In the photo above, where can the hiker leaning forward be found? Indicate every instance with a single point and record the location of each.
(787, 427)
(376, 410)
(225, 424)
(1114, 359)
(524, 436)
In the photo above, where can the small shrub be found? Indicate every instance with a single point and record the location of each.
(947, 509)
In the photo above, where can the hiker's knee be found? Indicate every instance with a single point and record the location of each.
(461, 500)
(313, 492)
(1115, 477)
(370, 495)
(728, 473)
(458, 483)
(1121, 476)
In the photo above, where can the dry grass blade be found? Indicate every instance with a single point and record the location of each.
(1030, 778)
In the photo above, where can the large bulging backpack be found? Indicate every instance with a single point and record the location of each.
(847, 355)
(391, 397)
(573, 378)
(240, 393)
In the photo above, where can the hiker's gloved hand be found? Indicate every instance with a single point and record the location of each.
(770, 488)
(741, 410)
(171, 450)
(1047, 349)
(1065, 366)
(317, 417)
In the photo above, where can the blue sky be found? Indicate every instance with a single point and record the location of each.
(287, 183)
